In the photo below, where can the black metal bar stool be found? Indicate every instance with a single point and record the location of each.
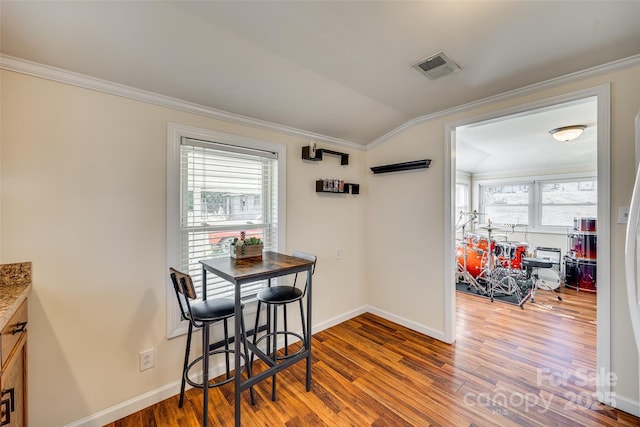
(273, 297)
(202, 314)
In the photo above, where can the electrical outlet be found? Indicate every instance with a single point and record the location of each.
(147, 359)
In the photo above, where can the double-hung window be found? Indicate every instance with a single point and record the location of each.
(462, 198)
(219, 185)
(543, 203)
(562, 201)
(505, 204)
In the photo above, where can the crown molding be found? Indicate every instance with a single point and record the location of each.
(621, 64)
(60, 75)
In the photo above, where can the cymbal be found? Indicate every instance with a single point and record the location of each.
(490, 229)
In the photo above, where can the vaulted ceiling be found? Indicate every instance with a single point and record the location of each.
(337, 68)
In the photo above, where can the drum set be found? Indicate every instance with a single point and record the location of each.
(490, 266)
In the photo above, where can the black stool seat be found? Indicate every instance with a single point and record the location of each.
(212, 309)
(537, 262)
(279, 294)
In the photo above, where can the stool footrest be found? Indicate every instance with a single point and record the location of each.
(216, 384)
(286, 356)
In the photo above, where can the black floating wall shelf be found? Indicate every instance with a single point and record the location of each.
(396, 167)
(349, 187)
(344, 158)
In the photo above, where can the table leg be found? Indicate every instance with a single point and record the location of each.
(205, 374)
(309, 274)
(205, 358)
(237, 377)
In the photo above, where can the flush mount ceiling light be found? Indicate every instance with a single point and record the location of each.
(567, 133)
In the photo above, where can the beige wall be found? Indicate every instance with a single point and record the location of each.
(83, 198)
(405, 213)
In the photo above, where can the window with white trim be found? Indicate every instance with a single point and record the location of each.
(545, 204)
(562, 201)
(462, 198)
(218, 186)
(505, 204)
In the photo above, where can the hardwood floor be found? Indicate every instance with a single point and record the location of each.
(508, 367)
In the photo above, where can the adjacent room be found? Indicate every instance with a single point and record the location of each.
(525, 192)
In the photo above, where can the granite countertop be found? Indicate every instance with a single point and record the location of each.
(15, 285)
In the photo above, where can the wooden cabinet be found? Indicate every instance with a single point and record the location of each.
(13, 373)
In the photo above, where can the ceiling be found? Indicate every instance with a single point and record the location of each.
(522, 142)
(341, 69)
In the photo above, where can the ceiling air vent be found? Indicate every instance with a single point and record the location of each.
(436, 66)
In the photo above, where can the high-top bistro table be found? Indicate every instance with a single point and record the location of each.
(241, 271)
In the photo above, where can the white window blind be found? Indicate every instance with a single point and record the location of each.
(224, 190)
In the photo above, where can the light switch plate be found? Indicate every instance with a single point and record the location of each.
(623, 214)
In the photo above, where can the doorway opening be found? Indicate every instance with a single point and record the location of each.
(518, 193)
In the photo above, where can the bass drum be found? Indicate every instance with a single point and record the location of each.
(580, 274)
(548, 278)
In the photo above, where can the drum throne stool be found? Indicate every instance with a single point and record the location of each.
(532, 265)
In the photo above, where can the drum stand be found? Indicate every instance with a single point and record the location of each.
(502, 280)
(463, 275)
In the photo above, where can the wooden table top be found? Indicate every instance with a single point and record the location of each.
(271, 264)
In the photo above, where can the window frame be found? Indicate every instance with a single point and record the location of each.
(175, 133)
(463, 180)
(540, 205)
(535, 195)
(483, 219)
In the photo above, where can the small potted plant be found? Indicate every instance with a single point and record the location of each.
(246, 247)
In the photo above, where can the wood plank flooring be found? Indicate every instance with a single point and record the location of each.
(508, 367)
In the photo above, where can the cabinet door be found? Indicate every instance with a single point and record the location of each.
(12, 384)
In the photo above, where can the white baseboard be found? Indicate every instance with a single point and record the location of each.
(433, 333)
(145, 400)
(128, 407)
(627, 405)
(338, 319)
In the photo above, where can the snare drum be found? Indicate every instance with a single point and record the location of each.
(583, 245)
(587, 225)
(580, 274)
